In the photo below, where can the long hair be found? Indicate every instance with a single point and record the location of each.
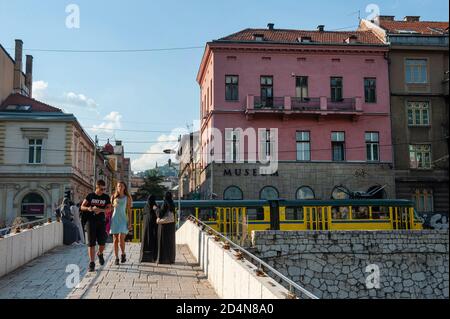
(125, 192)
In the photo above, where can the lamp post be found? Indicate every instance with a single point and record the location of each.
(169, 152)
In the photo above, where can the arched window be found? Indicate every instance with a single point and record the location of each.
(233, 193)
(305, 193)
(377, 192)
(269, 193)
(340, 192)
(33, 205)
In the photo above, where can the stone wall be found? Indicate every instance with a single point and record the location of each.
(334, 264)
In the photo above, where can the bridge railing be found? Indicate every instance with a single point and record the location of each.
(263, 268)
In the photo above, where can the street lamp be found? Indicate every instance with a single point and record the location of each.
(170, 152)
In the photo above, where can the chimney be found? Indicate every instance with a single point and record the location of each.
(321, 28)
(411, 19)
(29, 74)
(270, 26)
(17, 85)
(386, 18)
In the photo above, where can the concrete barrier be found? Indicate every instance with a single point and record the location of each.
(18, 249)
(230, 277)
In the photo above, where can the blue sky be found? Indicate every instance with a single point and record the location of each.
(154, 91)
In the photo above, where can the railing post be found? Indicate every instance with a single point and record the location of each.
(274, 214)
(250, 102)
(358, 104)
(287, 103)
(323, 103)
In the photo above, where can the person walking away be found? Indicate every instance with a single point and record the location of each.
(75, 210)
(166, 232)
(149, 244)
(95, 206)
(121, 219)
(70, 230)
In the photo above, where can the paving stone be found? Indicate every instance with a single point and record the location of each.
(45, 277)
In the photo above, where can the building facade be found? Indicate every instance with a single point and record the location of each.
(314, 102)
(44, 152)
(418, 61)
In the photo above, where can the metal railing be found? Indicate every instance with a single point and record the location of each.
(272, 103)
(347, 104)
(24, 226)
(263, 267)
(305, 104)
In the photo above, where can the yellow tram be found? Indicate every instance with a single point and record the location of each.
(240, 218)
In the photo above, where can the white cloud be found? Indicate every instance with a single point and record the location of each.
(39, 89)
(110, 122)
(82, 100)
(155, 154)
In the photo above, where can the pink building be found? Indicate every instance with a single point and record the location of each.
(326, 94)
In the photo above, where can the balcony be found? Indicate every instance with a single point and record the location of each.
(291, 106)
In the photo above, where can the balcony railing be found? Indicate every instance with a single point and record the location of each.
(341, 105)
(294, 105)
(305, 104)
(273, 103)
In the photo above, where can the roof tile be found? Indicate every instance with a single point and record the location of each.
(421, 27)
(21, 100)
(292, 36)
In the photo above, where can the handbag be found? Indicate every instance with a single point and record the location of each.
(168, 219)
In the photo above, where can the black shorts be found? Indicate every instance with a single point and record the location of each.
(96, 231)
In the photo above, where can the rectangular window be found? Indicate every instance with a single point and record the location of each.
(420, 156)
(35, 151)
(338, 146)
(416, 71)
(232, 88)
(303, 146)
(232, 146)
(336, 89)
(370, 90)
(373, 146)
(423, 199)
(418, 113)
(267, 91)
(301, 87)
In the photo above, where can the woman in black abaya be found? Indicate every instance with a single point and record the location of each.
(166, 234)
(149, 244)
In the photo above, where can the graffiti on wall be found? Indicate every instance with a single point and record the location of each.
(435, 220)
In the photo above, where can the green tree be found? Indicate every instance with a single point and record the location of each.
(152, 186)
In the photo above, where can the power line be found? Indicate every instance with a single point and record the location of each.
(114, 51)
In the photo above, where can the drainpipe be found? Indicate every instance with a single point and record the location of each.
(388, 61)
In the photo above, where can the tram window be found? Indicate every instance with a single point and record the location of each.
(294, 213)
(255, 213)
(207, 214)
(340, 212)
(361, 212)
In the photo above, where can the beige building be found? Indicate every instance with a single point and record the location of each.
(43, 151)
(418, 61)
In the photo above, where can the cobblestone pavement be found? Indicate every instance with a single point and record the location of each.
(45, 277)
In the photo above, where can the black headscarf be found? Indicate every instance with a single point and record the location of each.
(151, 201)
(168, 204)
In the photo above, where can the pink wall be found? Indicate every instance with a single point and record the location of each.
(319, 67)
